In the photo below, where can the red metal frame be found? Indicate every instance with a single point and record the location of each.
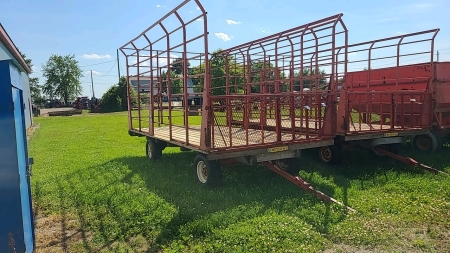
(264, 82)
(157, 53)
(396, 98)
(272, 93)
(280, 65)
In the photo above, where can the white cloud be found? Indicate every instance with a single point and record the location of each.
(96, 56)
(264, 31)
(232, 22)
(223, 36)
(199, 19)
(198, 8)
(400, 33)
(160, 6)
(94, 73)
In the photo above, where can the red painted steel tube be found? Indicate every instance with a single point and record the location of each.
(160, 110)
(298, 181)
(329, 19)
(151, 126)
(138, 90)
(169, 82)
(185, 80)
(205, 137)
(130, 121)
(160, 20)
(407, 160)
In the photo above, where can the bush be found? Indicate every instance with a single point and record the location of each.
(115, 99)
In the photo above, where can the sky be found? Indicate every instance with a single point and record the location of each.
(94, 30)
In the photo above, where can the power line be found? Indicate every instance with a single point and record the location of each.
(96, 64)
(110, 68)
(87, 82)
(85, 79)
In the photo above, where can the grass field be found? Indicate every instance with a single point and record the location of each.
(95, 191)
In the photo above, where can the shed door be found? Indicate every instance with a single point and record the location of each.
(23, 173)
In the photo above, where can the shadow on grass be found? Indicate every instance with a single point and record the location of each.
(162, 200)
(243, 185)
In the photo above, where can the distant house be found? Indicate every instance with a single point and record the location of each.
(8, 51)
(145, 82)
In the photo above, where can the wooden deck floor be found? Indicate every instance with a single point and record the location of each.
(237, 136)
(312, 124)
(222, 136)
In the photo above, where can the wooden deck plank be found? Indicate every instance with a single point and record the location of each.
(222, 136)
(354, 127)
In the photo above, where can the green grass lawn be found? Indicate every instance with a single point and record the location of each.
(97, 181)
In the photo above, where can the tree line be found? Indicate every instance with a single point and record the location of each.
(62, 79)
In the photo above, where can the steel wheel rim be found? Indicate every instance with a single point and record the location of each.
(281, 164)
(325, 154)
(202, 172)
(424, 142)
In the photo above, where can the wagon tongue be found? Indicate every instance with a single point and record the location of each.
(303, 184)
(408, 160)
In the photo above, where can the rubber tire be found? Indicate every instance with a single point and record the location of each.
(335, 154)
(291, 165)
(153, 150)
(436, 142)
(214, 176)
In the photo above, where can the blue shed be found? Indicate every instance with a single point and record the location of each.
(16, 215)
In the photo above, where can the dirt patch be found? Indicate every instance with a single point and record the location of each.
(31, 130)
(427, 238)
(56, 233)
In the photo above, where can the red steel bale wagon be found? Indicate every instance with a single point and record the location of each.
(379, 108)
(262, 101)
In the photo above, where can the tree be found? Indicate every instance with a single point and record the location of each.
(35, 88)
(176, 86)
(176, 66)
(263, 72)
(218, 74)
(309, 76)
(63, 77)
(27, 61)
(115, 98)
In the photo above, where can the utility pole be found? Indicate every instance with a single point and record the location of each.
(437, 56)
(92, 82)
(118, 65)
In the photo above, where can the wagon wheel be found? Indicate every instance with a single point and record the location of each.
(330, 154)
(153, 149)
(207, 172)
(288, 165)
(422, 142)
(427, 142)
